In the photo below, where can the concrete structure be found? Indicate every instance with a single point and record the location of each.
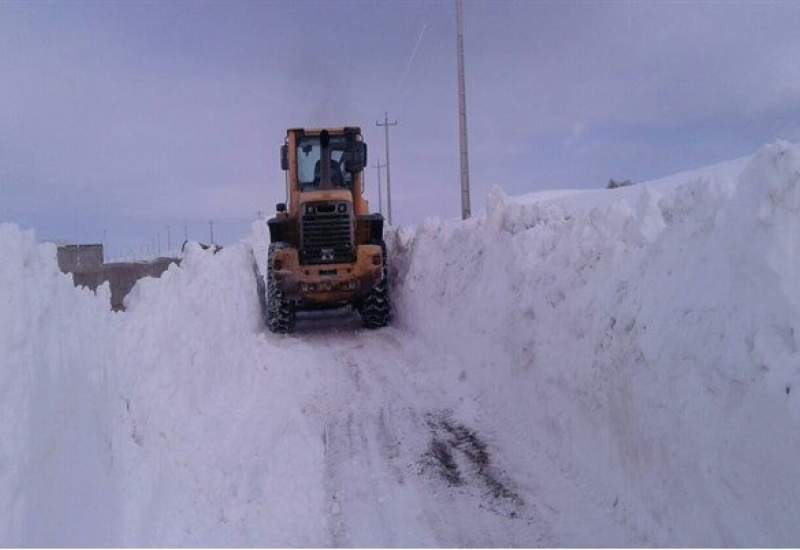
(85, 263)
(76, 258)
(122, 276)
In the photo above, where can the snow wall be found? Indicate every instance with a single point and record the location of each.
(131, 428)
(644, 340)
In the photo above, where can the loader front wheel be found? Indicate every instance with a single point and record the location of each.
(280, 316)
(376, 307)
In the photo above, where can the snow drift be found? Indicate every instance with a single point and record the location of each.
(628, 358)
(128, 429)
(54, 422)
(645, 338)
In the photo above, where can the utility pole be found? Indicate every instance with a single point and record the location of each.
(462, 114)
(169, 240)
(386, 125)
(380, 199)
(211, 230)
(185, 233)
(159, 243)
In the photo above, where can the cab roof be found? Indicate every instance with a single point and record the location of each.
(316, 131)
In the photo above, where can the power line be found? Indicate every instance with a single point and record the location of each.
(412, 56)
(386, 125)
(462, 114)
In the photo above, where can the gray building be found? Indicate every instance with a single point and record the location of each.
(85, 263)
(79, 258)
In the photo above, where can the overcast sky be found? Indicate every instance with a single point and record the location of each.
(131, 116)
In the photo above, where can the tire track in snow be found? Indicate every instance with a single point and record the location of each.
(375, 437)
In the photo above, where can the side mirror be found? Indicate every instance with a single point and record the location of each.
(280, 207)
(284, 157)
(358, 157)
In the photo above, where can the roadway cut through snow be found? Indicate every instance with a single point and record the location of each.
(611, 367)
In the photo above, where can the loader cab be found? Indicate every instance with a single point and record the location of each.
(324, 164)
(311, 175)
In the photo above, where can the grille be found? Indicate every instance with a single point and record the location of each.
(326, 239)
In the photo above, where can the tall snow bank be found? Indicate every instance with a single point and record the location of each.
(645, 340)
(55, 486)
(176, 423)
(214, 448)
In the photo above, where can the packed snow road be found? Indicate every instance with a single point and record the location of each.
(363, 449)
(401, 469)
(393, 473)
(605, 368)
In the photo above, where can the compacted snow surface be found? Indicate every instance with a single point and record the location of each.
(610, 367)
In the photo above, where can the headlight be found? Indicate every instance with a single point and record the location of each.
(342, 208)
(309, 209)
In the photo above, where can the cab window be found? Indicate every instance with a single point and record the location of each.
(308, 163)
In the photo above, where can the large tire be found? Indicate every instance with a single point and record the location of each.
(280, 317)
(376, 307)
(261, 289)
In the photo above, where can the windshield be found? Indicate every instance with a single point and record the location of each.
(308, 163)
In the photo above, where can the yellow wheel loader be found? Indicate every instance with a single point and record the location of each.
(326, 250)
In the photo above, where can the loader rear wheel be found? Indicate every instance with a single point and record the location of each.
(280, 316)
(376, 307)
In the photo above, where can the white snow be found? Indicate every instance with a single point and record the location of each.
(626, 359)
(54, 414)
